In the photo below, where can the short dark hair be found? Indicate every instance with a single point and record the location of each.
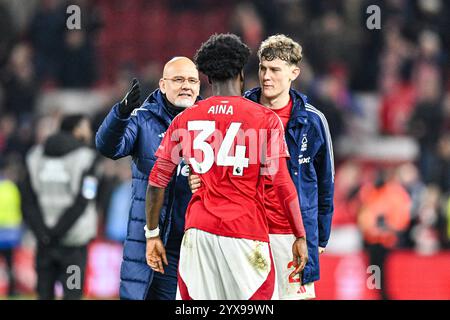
(222, 57)
(70, 122)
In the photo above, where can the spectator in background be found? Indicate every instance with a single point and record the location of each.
(395, 83)
(334, 99)
(57, 203)
(409, 177)
(428, 228)
(327, 44)
(118, 87)
(430, 54)
(92, 19)
(150, 77)
(427, 121)
(447, 217)
(21, 13)
(345, 235)
(10, 220)
(384, 215)
(368, 47)
(397, 104)
(7, 35)
(64, 56)
(46, 32)
(77, 69)
(441, 172)
(19, 83)
(347, 188)
(447, 112)
(47, 125)
(8, 125)
(21, 140)
(247, 23)
(292, 17)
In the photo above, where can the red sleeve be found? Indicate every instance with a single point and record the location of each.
(170, 146)
(276, 142)
(288, 197)
(161, 173)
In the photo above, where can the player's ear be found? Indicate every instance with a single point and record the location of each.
(162, 85)
(295, 73)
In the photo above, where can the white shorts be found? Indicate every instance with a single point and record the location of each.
(289, 288)
(213, 267)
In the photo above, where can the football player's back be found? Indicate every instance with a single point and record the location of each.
(226, 145)
(225, 251)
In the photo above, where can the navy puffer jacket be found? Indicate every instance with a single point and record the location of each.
(139, 136)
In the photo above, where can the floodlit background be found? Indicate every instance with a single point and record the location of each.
(385, 93)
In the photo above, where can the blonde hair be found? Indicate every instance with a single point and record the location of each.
(282, 47)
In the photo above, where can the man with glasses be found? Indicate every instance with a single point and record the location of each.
(136, 130)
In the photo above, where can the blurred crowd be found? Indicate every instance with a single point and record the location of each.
(403, 67)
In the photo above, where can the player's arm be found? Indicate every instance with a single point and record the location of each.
(159, 179)
(288, 198)
(276, 166)
(117, 134)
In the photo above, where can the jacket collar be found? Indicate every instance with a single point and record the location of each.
(299, 114)
(156, 105)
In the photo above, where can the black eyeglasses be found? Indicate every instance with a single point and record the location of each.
(181, 80)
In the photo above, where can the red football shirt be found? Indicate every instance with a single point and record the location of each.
(284, 113)
(276, 218)
(226, 141)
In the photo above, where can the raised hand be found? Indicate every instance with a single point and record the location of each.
(132, 99)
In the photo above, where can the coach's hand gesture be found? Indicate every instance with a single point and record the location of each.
(300, 254)
(156, 254)
(132, 99)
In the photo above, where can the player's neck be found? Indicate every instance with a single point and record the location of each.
(277, 102)
(226, 88)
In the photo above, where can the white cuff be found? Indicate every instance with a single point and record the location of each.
(151, 233)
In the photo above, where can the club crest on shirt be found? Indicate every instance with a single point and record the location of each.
(304, 143)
